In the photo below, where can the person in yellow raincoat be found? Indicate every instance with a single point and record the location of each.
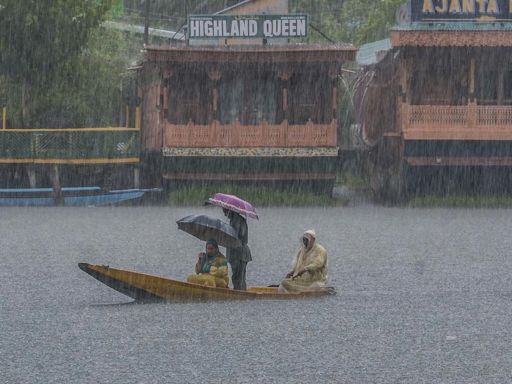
(211, 267)
(309, 269)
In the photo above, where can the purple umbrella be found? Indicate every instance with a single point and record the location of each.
(233, 203)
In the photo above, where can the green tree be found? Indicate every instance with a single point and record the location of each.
(38, 38)
(86, 92)
(379, 20)
(350, 21)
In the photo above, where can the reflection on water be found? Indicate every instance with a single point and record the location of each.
(423, 296)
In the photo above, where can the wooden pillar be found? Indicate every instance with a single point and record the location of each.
(214, 74)
(163, 101)
(57, 190)
(333, 75)
(404, 94)
(501, 85)
(284, 76)
(167, 73)
(138, 117)
(334, 101)
(4, 118)
(32, 180)
(472, 79)
(127, 116)
(136, 177)
(403, 72)
(285, 102)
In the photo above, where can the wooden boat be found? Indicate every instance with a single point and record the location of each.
(144, 287)
(72, 196)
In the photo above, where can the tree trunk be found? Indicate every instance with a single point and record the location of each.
(25, 110)
(57, 190)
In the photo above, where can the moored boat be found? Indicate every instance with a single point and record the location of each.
(145, 287)
(71, 196)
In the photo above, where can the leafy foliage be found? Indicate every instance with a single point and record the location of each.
(87, 93)
(351, 21)
(38, 38)
(58, 68)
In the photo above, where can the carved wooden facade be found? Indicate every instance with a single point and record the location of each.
(443, 92)
(241, 97)
(442, 97)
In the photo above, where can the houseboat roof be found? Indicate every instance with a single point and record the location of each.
(454, 34)
(234, 6)
(372, 53)
(455, 26)
(253, 53)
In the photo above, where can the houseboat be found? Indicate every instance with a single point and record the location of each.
(239, 101)
(440, 100)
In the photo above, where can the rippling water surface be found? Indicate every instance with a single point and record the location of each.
(424, 296)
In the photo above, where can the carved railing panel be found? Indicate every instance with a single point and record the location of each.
(469, 122)
(262, 135)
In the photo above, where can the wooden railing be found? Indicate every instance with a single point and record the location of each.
(263, 135)
(70, 146)
(457, 122)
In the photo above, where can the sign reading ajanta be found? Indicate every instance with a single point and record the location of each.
(247, 26)
(427, 10)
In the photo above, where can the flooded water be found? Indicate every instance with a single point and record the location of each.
(424, 296)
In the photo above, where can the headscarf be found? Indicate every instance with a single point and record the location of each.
(310, 234)
(213, 242)
(207, 260)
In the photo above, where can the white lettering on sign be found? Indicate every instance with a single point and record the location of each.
(248, 26)
(244, 28)
(253, 28)
(284, 28)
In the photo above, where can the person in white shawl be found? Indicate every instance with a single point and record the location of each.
(309, 269)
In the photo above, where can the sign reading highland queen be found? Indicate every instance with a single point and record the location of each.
(247, 26)
(461, 10)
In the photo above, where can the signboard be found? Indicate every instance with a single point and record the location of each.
(247, 26)
(461, 10)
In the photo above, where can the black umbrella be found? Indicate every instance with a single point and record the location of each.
(205, 227)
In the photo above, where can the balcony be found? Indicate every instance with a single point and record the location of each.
(236, 135)
(460, 122)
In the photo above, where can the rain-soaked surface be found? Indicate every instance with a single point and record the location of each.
(425, 296)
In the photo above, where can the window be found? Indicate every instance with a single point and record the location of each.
(189, 99)
(250, 98)
(486, 85)
(437, 85)
(310, 98)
